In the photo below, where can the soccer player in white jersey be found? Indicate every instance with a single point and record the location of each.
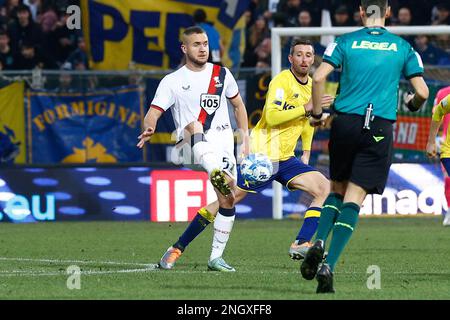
(197, 95)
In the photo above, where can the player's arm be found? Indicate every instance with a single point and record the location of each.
(333, 58)
(277, 110)
(162, 101)
(307, 138)
(240, 113)
(440, 110)
(318, 91)
(150, 121)
(413, 71)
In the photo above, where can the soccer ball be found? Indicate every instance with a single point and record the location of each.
(256, 168)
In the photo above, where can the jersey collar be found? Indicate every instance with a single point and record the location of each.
(298, 80)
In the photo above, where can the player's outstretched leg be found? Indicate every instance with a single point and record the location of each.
(205, 156)
(298, 249)
(203, 218)
(313, 182)
(223, 224)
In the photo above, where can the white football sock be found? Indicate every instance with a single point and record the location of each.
(222, 230)
(204, 155)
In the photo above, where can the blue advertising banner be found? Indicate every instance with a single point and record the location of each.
(89, 127)
(169, 194)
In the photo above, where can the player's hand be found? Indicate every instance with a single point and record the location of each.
(431, 149)
(327, 100)
(245, 146)
(145, 136)
(319, 122)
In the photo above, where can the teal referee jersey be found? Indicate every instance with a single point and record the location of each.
(373, 61)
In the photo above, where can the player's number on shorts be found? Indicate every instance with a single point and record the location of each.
(226, 163)
(210, 102)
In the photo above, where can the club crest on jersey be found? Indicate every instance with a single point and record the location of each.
(218, 83)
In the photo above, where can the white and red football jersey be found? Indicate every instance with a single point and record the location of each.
(200, 96)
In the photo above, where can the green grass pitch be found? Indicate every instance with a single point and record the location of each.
(413, 255)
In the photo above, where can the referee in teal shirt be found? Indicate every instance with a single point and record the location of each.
(361, 137)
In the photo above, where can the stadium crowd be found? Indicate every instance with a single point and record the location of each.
(264, 14)
(33, 33)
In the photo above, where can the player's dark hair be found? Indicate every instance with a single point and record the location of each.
(367, 4)
(298, 41)
(193, 30)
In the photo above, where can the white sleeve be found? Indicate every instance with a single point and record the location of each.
(232, 89)
(164, 97)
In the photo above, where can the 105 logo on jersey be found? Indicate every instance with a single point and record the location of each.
(210, 102)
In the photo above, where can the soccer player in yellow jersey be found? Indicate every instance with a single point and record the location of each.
(440, 110)
(284, 120)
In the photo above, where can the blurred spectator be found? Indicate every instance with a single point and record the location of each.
(314, 8)
(420, 9)
(304, 19)
(357, 19)
(290, 9)
(10, 9)
(263, 53)
(23, 28)
(65, 79)
(442, 14)
(215, 43)
(341, 17)
(429, 53)
(33, 5)
(7, 56)
(404, 19)
(256, 34)
(48, 18)
(29, 57)
(404, 16)
(62, 41)
(79, 58)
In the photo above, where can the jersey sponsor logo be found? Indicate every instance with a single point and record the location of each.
(382, 46)
(186, 88)
(218, 83)
(210, 102)
(279, 94)
(330, 49)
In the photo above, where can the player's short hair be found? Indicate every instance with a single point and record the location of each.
(193, 30)
(368, 5)
(298, 41)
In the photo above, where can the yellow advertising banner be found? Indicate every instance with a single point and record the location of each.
(146, 33)
(12, 124)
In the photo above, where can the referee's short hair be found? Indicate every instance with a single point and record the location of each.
(381, 4)
(299, 41)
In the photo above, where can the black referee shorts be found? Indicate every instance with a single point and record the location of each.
(361, 156)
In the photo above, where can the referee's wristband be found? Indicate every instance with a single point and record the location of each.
(411, 106)
(317, 116)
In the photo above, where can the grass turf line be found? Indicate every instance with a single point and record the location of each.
(411, 253)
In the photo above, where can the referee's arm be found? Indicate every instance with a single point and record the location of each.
(416, 100)
(318, 87)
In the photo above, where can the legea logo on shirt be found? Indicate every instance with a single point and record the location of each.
(383, 46)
